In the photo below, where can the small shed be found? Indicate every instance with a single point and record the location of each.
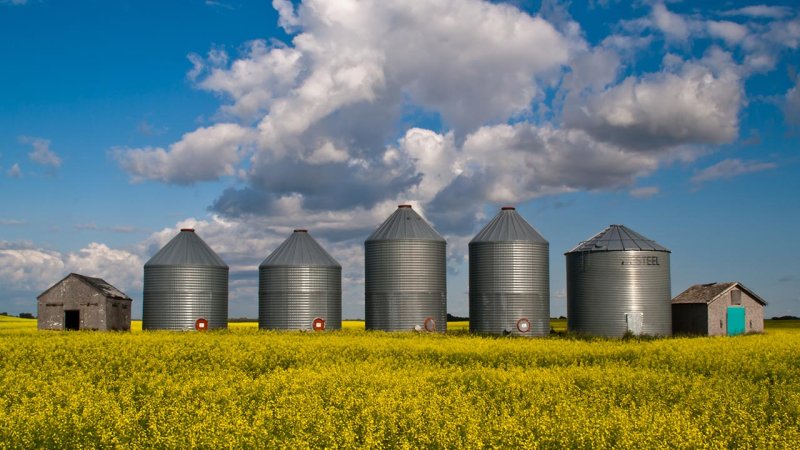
(78, 302)
(718, 309)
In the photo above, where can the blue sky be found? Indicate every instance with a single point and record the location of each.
(121, 122)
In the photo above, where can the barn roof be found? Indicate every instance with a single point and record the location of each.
(98, 283)
(707, 293)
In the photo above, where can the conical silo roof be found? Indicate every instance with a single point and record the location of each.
(300, 249)
(405, 224)
(186, 249)
(508, 226)
(618, 238)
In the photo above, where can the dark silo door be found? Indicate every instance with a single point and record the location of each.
(735, 320)
(72, 319)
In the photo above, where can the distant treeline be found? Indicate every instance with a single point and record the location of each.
(786, 318)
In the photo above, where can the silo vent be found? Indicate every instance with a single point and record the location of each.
(190, 230)
(301, 230)
(508, 208)
(404, 206)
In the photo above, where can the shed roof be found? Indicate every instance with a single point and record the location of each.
(707, 293)
(508, 226)
(405, 224)
(300, 249)
(618, 238)
(100, 284)
(186, 249)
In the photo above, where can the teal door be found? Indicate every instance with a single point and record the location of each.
(735, 320)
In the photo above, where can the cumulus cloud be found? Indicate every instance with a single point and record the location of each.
(674, 26)
(730, 168)
(730, 32)
(41, 153)
(26, 267)
(252, 82)
(689, 102)
(201, 155)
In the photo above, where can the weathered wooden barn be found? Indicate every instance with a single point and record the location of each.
(718, 309)
(79, 302)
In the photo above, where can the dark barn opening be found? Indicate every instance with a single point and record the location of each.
(72, 319)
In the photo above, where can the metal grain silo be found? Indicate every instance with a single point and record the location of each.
(300, 287)
(509, 278)
(406, 285)
(185, 286)
(619, 281)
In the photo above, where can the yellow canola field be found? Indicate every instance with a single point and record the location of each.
(244, 388)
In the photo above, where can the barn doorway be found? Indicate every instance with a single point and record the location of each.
(72, 319)
(736, 316)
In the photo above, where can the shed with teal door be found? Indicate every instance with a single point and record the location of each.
(718, 309)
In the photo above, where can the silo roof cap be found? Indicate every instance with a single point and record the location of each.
(300, 250)
(405, 224)
(508, 226)
(618, 238)
(186, 249)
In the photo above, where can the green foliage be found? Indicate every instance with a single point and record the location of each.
(245, 388)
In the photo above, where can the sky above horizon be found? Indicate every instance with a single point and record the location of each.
(122, 122)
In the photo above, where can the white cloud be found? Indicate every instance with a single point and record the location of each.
(327, 153)
(201, 155)
(41, 153)
(118, 267)
(730, 168)
(481, 62)
(14, 171)
(15, 2)
(760, 11)
(695, 102)
(253, 81)
(26, 267)
(10, 222)
(672, 25)
(730, 32)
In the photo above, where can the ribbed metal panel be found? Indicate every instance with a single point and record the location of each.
(175, 297)
(603, 287)
(509, 277)
(405, 275)
(509, 281)
(178, 290)
(298, 283)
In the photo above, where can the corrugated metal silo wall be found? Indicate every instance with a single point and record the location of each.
(290, 298)
(176, 296)
(405, 284)
(603, 286)
(509, 281)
